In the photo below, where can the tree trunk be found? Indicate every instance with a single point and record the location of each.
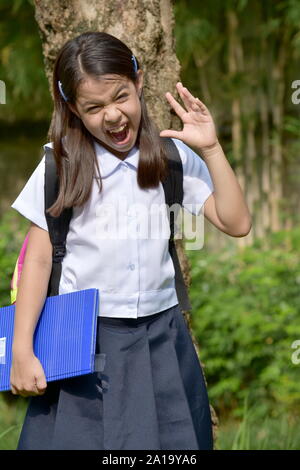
(278, 76)
(251, 170)
(235, 65)
(147, 28)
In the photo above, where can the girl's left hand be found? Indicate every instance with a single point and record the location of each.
(198, 125)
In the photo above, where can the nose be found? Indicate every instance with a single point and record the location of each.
(112, 114)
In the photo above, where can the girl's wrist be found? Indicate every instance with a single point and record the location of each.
(22, 348)
(212, 150)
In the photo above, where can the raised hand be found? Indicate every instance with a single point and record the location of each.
(198, 125)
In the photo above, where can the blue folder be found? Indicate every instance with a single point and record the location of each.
(64, 339)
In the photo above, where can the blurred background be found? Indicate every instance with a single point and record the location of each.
(241, 58)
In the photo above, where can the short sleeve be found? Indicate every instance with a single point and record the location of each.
(30, 202)
(197, 182)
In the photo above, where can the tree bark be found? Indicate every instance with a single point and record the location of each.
(147, 27)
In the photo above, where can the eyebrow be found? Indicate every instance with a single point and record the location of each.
(122, 87)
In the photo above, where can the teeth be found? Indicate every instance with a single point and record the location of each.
(119, 129)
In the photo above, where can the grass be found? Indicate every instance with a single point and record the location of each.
(264, 433)
(269, 434)
(12, 413)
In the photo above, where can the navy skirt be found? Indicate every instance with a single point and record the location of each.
(150, 394)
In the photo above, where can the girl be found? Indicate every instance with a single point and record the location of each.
(151, 394)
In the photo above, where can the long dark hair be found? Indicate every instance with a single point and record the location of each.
(94, 54)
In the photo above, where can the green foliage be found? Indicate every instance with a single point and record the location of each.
(13, 229)
(21, 64)
(246, 317)
(202, 34)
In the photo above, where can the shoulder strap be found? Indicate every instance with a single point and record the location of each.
(173, 187)
(58, 226)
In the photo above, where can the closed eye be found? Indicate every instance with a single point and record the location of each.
(119, 97)
(122, 96)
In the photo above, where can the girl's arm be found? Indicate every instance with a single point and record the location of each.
(226, 207)
(32, 289)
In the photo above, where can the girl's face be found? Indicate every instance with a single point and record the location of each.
(107, 104)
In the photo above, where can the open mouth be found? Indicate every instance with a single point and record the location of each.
(121, 137)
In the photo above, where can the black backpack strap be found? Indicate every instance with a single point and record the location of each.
(173, 187)
(58, 226)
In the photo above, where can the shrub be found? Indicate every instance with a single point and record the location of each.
(245, 317)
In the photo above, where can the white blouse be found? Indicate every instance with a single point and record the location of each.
(117, 243)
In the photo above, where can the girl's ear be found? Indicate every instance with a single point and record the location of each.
(73, 109)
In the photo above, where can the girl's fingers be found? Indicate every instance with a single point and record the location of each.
(187, 93)
(195, 103)
(191, 103)
(188, 99)
(176, 106)
(202, 105)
